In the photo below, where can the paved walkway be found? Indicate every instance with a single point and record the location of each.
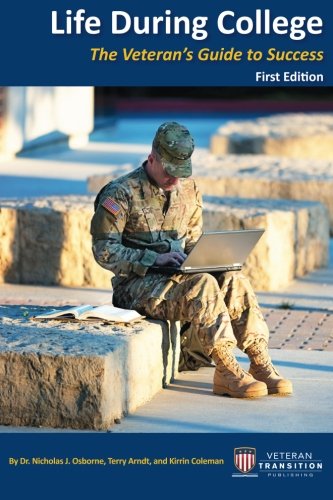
(190, 406)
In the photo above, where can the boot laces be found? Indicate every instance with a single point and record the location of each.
(229, 364)
(258, 352)
(268, 369)
(260, 359)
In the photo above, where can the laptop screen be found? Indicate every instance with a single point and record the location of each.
(222, 249)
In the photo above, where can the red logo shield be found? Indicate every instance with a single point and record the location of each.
(245, 458)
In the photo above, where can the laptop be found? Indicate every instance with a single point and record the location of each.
(217, 252)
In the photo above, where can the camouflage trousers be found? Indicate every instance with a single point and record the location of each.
(220, 307)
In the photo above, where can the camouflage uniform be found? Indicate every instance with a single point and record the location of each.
(133, 222)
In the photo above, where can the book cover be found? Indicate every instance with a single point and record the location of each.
(83, 87)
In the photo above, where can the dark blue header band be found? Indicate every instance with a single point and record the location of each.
(169, 43)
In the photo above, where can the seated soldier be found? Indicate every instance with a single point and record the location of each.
(153, 216)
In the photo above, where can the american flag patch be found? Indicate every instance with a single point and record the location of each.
(111, 206)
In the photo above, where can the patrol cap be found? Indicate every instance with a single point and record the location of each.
(175, 145)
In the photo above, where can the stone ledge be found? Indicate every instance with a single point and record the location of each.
(296, 135)
(47, 241)
(80, 375)
(295, 242)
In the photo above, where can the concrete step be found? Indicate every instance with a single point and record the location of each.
(89, 376)
(47, 240)
(295, 135)
(80, 375)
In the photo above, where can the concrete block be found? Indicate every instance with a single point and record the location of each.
(295, 135)
(52, 243)
(9, 245)
(80, 375)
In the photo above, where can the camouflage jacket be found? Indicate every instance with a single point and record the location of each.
(131, 224)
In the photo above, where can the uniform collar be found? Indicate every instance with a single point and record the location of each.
(155, 188)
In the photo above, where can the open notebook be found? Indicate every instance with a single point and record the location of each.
(106, 313)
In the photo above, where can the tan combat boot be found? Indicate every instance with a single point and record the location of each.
(230, 379)
(262, 369)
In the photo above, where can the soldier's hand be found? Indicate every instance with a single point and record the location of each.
(170, 259)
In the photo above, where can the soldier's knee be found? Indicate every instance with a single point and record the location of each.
(207, 281)
(204, 299)
(237, 276)
(235, 280)
(204, 287)
(240, 276)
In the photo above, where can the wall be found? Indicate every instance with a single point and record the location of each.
(39, 116)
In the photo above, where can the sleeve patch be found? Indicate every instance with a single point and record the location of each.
(111, 206)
